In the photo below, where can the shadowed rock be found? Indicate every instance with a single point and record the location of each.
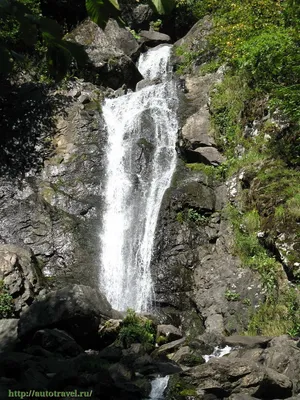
(76, 309)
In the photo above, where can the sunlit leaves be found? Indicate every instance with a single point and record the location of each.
(163, 6)
(101, 10)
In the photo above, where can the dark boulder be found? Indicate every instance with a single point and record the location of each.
(137, 16)
(168, 333)
(205, 155)
(122, 39)
(8, 334)
(56, 341)
(76, 309)
(108, 64)
(153, 38)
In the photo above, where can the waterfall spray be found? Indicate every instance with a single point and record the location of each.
(141, 158)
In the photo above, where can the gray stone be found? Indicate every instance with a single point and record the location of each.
(136, 15)
(56, 341)
(121, 38)
(20, 272)
(247, 341)
(109, 331)
(208, 155)
(84, 99)
(146, 82)
(168, 347)
(57, 212)
(106, 59)
(8, 334)
(187, 357)
(111, 353)
(224, 376)
(281, 355)
(142, 14)
(193, 265)
(153, 38)
(169, 332)
(196, 40)
(76, 309)
(196, 129)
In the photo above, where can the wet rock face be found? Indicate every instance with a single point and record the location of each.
(20, 273)
(57, 212)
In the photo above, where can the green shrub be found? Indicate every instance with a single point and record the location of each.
(230, 295)
(136, 329)
(6, 302)
(195, 216)
(277, 316)
(252, 253)
(217, 173)
(227, 104)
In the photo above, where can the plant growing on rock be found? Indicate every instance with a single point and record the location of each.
(136, 329)
(6, 302)
(230, 295)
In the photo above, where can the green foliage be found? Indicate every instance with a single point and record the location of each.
(101, 10)
(188, 58)
(269, 57)
(190, 215)
(188, 393)
(163, 6)
(217, 173)
(252, 253)
(161, 340)
(228, 104)
(195, 216)
(136, 329)
(156, 25)
(279, 187)
(180, 217)
(277, 316)
(230, 295)
(6, 302)
(134, 34)
(41, 36)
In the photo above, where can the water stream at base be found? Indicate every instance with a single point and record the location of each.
(141, 158)
(158, 387)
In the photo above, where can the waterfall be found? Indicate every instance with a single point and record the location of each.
(141, 158)
(158, 387)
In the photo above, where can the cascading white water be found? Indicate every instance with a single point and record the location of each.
(218, 352)
(141, 158)
(158, 387)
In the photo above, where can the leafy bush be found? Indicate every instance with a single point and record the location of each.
(6, 302)
(230, 295)
(253, 255)
(136, 329)
(228, 103)
(277, 317)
